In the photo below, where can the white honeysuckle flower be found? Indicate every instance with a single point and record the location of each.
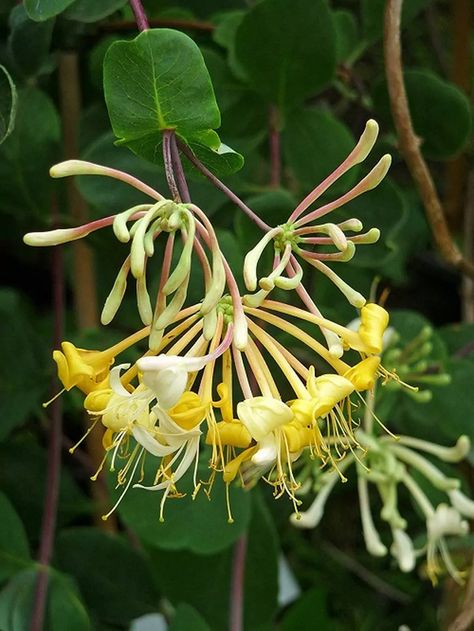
(167, 375)
(445, 520)
(177, 439)
(402, 550)
(267, 451)
(174, 439)
(372, 539)
(310, 518)
(124, 409)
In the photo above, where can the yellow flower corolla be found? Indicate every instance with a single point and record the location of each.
(373, 322)
(89, 370)
(232, 468)
(189, 411)
(263, 415)
(97, 400)
(363, 375)
(82, 368)
(229, 433)
(326, 392)
(298, 437)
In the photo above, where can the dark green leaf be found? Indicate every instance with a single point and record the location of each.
(27, 154)
(28, 42)
(225, 35)
(41, 10)
(222, 161)
(23, 381)
(312, 606)
(8, 104)
(450, 410)
(347, 36)
(315, 143)
(113, 578)
(459, 338)
(206, 581)
(159, 81)
(14, 549)
(279, 41)
(25, 485)
(204, 8)
(186, 618)
(261, 568)
(64, 610)
(96, 67)
(440, 111)
(198, 525)
(91, 10)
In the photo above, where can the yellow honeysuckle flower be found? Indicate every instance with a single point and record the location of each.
(280, 441)
(232, 468)
(363, 375)
(89, 370)
(189, 411)
(229, 433)
(327, 391)
(298, 437)
(262, 415)
(374, 320)
(82, 368)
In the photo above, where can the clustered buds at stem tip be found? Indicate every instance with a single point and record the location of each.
(164, 405)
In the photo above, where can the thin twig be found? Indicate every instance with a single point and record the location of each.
(237, 585)
(129, 25)
(410, 144)
(275, 149)
(140, 15)
(374, 581)
(222, 187)
(48, 525)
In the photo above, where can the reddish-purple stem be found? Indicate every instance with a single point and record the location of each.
(168, 160)
(275, 149)
(48, 525)
(222, 187)
(140, 15)
(237, 585)
(178, 170)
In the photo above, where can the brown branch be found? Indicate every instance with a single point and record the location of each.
(410, 145)
(465, 619)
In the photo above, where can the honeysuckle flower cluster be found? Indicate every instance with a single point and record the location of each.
(215, 382)
(400, 466)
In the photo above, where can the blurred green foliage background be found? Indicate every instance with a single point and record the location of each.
(320, 66)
